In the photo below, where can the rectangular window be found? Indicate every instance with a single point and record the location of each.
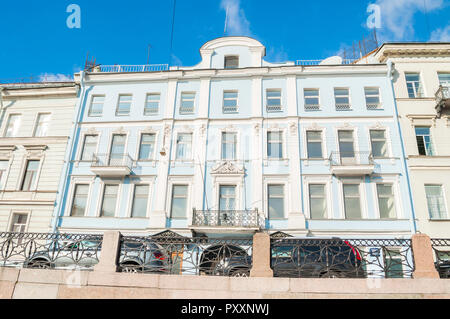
(317, 201)
(29, 179)
(311, 99)
(79, 200)
(352, 204)
(423, 138)
(147, 148)
(109, 201)
(444, 79)
(152, 104)
(413, 85)
(124, 105)
(96, 108)
(227, 197)
(229, 141)
(275, 145)
(273, 100)
(346, 145)
(231, 62)
(342, 99)
(372, 98)
(435, 201)
(378, 141)
(42, 123)
(179, 201)
(12, 128)
(187, 103)
(276, 201)
(314, 144)
(140, 201)
(184, 146)
(3, 168)
(230, 102)
(89, 147)
(117, 149)
(386, 201)
(18, 223)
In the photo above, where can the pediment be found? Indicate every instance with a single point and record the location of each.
(227, 167)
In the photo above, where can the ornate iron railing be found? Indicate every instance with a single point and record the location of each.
(228, 218)
(442, 98)
(351, 158)
(131, 68)
(441, 248)
(49, 250)
(186, 256)
(339, 258)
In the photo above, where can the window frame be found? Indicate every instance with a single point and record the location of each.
(373, 106)
(187, 199)
(419, 90)
(232, 56)
(73, 198)
(102, 198)
(285, 207)
(235, 145)
(182, 111)
(394, 199)
(386, 143)
(146, 109)
(274, 108)
(133, 197)
(236, 107)
(360, 197)
(307, 144)
(155, 142)
(82, 150)
(325, 198)
(11, 220)
(90, 114)
(37, 122)
(311, 107)
(118, 104)
(190, 157)
(340, 106)
(430, 151)
(16, 126)
(444, 201)
(33, 186)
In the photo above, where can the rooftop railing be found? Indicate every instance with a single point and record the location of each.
(318, 62)
(131, 68)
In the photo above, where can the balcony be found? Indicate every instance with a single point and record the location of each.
(227, 220)
(442, 99)
(351, 163)
(111, 165)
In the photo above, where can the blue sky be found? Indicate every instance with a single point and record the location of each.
(36, 40)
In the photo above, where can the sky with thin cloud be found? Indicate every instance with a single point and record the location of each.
(37, 42)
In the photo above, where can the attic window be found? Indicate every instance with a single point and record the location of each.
(231, 62)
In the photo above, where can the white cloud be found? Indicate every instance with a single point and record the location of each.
(397, 17)
(50, 77)
(441, 35)
(237, 23)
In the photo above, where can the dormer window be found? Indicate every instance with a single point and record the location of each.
(231, 62)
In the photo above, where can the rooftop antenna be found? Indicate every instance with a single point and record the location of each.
(148, 54)
(90, 64)
(226, 20)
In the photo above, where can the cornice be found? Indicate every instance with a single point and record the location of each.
(413, 52)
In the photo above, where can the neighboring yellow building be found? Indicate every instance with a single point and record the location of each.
(421, 78)
(36, 120)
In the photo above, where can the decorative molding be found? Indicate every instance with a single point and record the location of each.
(35, 150)
(414, 53)
(414, 118)
(293, 128)
(227, 167)
(120, 130)
(256, 128)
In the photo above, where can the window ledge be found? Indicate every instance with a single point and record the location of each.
(439, 219)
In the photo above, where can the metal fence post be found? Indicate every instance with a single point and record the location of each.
(109, 255)
(261, 256)
(423, 257)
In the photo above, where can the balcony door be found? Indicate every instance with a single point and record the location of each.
(346, 147)
(117, 149)
(227, 197)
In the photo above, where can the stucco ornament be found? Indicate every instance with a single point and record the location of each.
(227, 167)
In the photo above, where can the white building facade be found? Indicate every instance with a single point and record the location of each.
(236, 144)
(35, 125)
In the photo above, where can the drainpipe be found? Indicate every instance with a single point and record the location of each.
(69, 153)
(390, 65)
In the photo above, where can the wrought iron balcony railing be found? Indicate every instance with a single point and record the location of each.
(351, 158)
(351, 163)
(130, 68)
(228, 218)
(442, 99)
(111, 160)
(441, 249)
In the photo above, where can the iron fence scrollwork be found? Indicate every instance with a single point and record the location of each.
(340, 258)
(185, 256)
(49, 250)
(441, 248)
